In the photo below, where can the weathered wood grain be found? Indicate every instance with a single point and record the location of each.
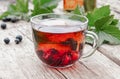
(22, 58)
(3, 6)
(102, 66)
(21, 62)
(94, 66)
(24, 53)
(112, 52)
(9, 69)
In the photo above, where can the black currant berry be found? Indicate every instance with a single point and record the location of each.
(53, 51)
(3, 26)
(14, 20)
(17, 41)
(19, 37)
(6, 19)
(6, 40)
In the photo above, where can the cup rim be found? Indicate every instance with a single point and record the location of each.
(36, 16)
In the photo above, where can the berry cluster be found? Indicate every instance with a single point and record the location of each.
(59, 55)
(3, 26)
(71, 42)
(53, 58)
(18, 38)
(6, 40)
(10, 19)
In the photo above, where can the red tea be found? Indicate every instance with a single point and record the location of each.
(58, 46)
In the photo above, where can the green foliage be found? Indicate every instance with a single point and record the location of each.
(21, 8)
(97, 14)
(43, 6)
(18, 9)
(107, 30)
(105, 25)
(77, 11)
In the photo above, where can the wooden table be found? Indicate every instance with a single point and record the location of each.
(20, 61)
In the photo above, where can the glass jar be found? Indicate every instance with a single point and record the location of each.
(70, 5)
(89, 5)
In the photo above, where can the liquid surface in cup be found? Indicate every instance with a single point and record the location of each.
(58, 43)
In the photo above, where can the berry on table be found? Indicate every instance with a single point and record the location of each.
(8, 18)
(6, 40)
(17, 41)
(4, 19)
(14, 20)
(19, 37)
(3, 26)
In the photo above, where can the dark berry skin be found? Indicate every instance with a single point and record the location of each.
(17, 41)
(6, 19)
(40, 53)
(14, 20)
(6, 40)
(19, 37)
(53, 51)
(71, 42)
(3, 26)
(74, 45)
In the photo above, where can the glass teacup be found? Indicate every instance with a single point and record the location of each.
(60, 38)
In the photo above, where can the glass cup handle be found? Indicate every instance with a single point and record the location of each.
(94, 47)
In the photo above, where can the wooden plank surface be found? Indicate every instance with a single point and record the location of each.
(112, 52)
(28, 60)
(21, 62)
(3, 6)
(102, 66)
(24, 56)
(102, 74)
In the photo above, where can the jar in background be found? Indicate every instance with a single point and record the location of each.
(89, 5)
(70, 5)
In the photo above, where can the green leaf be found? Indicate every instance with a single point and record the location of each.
(77, 10)
(97, 14)
(44, 6)
(43, 2)
(50, 3)
(20, 8)
(107, 30)
(115, 22)
(101, 23)
(37, 5)
(104, 24)
(112, 30)
(118, 25)
(4, 14)
(107, 37)
(12, 8)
